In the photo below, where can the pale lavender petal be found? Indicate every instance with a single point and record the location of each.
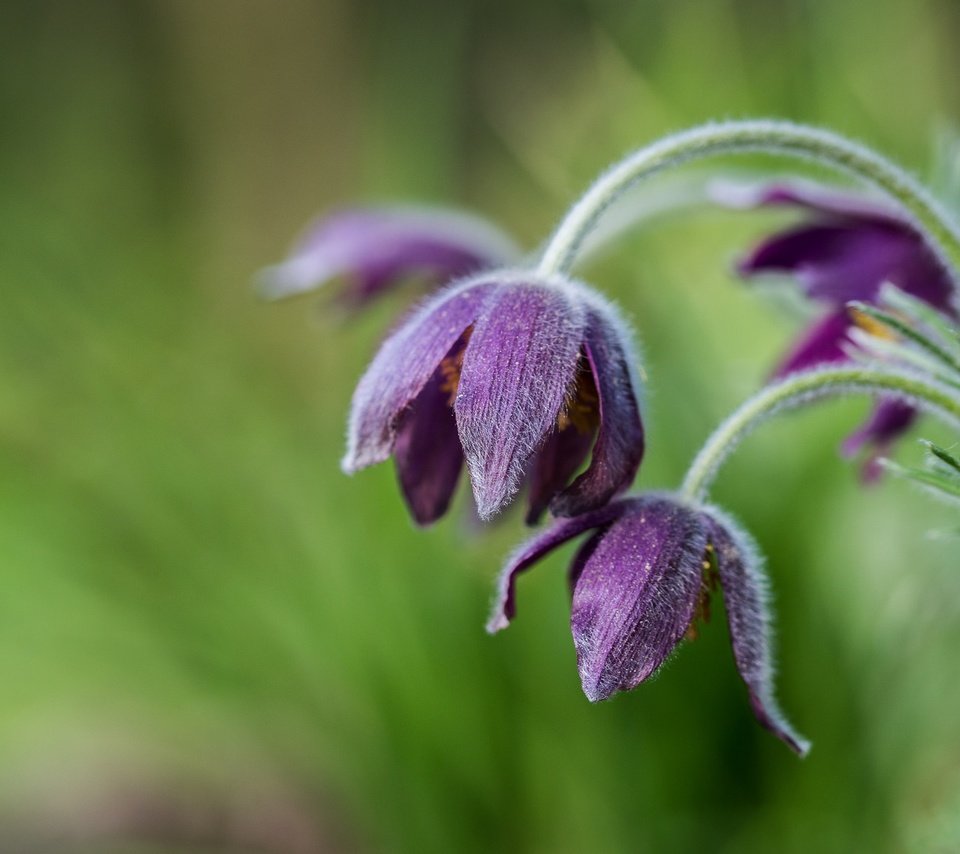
(402, 367)
(821, 344)
(745, 599)
(820, 200)
(888, 422)
(376, 248)
(538, 547)
(636, 594)
(427, 452)
(517, 368)
(620, 442)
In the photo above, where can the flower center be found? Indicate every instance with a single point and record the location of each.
(710, 581)
(452, 365)
(581, 410)
(871, 325)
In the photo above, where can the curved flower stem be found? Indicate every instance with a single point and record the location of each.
(756, 135)
(803, 388)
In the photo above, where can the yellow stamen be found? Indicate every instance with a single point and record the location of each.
(871, 325)
(582, 409)
(451, 366)
(709, 582)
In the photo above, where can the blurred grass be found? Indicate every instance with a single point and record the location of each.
(193, 590)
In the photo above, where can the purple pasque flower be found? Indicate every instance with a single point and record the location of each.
(846, 250)
(640, 583)
(375, 249)
(515, 375)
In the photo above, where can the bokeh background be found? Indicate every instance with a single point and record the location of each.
(211, 640)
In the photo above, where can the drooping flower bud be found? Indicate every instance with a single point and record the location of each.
(518, 377)
(850, 247)
(375, 249)
(639, 583)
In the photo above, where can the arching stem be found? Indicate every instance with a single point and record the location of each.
(758, 135)
(802, 388)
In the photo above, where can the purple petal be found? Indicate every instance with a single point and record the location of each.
(922, 275)
(890, 420)
(537, 547)
(553, 466)
(518, 365)
(636, 594)
(401, 369)
(745, 599)
(852, 245)
(837, 263)
(378, 247)
(821, 344)
(620, 442)
(427, 452)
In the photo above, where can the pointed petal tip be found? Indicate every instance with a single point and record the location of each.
(770, 718)
(354, 460)
(593, 692)
(351, 462)
(797, 743)
(599, 686)
(747, 266)
(424, 522)
(497, 623)
(486, 512)
(365, 451)
(271, 285)
(533, 516)
(424, 515)
(491, 502)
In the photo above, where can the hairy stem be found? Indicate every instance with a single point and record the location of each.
(802, 388)
(757, 135)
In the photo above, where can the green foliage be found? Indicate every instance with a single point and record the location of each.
(201, 612)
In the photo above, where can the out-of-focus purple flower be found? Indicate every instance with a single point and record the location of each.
(514, 375)
(640, 583)
(374, 249)
(847, 249)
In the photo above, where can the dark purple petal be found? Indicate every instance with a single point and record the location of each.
(553, 466)
(745, 599)
(427, 452)
(377, 247)
(835, 263)
(922, 275)
(888, 422)
(538, 547)
(636, 594)
(620, 442)
(821, 344)
(402, 367)
(851, 246)
(847, 252)
(519, 363)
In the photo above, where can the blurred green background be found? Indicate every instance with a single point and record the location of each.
(211, 640)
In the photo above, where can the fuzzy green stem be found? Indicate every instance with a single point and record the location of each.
(802, 388)
(757, 135)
